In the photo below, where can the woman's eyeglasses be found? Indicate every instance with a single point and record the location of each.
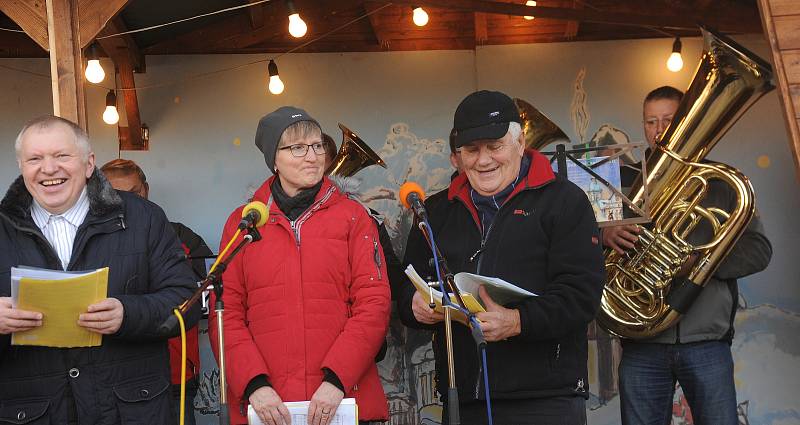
(301, 149)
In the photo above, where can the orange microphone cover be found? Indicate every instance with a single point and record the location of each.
(410, 187)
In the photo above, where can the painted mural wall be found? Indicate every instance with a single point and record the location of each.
(202, 164)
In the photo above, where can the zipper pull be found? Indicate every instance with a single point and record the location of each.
(377, 257)
(476, 254)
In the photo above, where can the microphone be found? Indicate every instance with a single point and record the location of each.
(254, 214)
(411, 196)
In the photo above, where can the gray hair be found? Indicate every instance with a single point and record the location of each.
(49, 121)
(514, 129)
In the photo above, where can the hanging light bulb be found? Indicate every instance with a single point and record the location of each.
(297, 27)
(530, 3)
(94, 72)
(675, 61)
(110, 115)
(420, 16)
(275, 83)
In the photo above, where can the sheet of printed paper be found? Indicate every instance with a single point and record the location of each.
(346, 414)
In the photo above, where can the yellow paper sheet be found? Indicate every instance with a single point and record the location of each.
(472, 303)
(61, 301)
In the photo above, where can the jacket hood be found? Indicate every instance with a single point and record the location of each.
(103, 199)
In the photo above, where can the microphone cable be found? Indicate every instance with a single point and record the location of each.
(471, 317)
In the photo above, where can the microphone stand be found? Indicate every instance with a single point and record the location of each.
(215, 278)
(448, 285)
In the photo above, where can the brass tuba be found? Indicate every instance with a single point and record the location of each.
(354, 155)
(644, 292)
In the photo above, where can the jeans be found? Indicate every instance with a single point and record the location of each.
(564, 410)
(647, 376)
(191, 392)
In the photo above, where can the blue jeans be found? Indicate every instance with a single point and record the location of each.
(647, 376)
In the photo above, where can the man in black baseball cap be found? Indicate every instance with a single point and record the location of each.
(508, 216)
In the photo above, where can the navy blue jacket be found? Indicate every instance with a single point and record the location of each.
(127, 377)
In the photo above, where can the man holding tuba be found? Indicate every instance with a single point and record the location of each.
(696, 351)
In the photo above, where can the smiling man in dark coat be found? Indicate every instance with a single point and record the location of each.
(62, 214)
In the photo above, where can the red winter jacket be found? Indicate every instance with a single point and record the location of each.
(310, 295)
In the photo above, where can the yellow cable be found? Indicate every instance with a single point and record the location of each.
(222, 254)
(183, 365)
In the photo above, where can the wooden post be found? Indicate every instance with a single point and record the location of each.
(66, 63)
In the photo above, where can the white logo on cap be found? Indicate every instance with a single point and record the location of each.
(494, 114)
(297, 115)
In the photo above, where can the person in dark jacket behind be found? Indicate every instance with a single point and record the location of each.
(126, 175)
(508, 216)
(62, 214)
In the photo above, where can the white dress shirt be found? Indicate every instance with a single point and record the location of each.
(60, 229)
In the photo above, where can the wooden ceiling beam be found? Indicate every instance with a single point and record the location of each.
(121, 46)
(372, 8)
(256, 14)
(572, 26)
(126, 79)
(31, 16)
(94, 15)
(481, 29)
(728, 23)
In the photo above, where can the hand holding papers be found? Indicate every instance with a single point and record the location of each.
(61, 297)
(501, 291)
(346, 414)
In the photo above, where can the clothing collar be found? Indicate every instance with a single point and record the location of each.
(103, 199)
(74, 215)
(539, 174)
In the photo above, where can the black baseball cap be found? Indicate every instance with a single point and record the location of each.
(271, 128)
(483, 115)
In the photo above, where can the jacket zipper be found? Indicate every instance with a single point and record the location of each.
(377, 257)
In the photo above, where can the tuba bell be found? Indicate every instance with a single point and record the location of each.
(354, 155)
(646, 290)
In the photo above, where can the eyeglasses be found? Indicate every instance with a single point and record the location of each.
(300, 150)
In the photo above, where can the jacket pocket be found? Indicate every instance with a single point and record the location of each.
(32, 412)
(144, 401)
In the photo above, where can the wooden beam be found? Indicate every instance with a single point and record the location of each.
(121, 46)
(572, 26)
(481, 31)
(94, 16)
(131, 106)
(789, 93)
(66, 65)
(31, 16)
(725, 23)
(256, 14)
(371, 8)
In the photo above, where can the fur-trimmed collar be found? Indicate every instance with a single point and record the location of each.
(103, 199)
(351, 187)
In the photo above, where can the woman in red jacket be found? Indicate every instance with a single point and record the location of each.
(307, 307)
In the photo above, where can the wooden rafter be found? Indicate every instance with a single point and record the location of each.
(481, 30)
(371, 8)
(31, 16)
(572, 26)
(122, 45)
(256, 14)
(735, 24)
(95, 15)
(127, 60)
